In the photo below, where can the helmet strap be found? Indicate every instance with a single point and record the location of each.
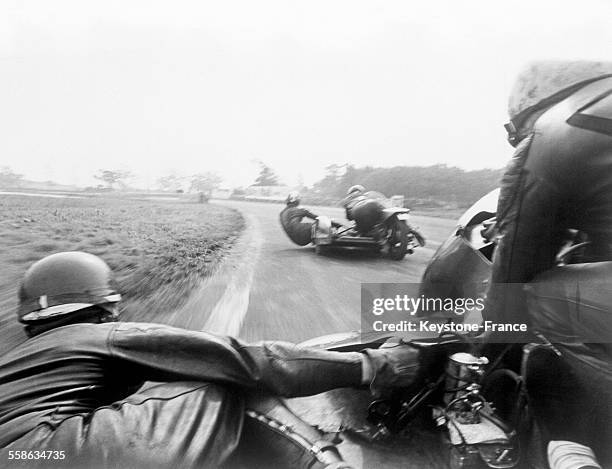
(95, 315)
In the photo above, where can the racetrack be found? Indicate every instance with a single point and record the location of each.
(269, 288)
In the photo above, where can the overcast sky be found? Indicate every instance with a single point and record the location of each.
(155, 87)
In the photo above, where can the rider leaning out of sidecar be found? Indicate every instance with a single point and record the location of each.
(72, 394)
(297, 221)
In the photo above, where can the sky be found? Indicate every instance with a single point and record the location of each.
(177, 87)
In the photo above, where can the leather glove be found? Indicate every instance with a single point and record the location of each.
(391, 367)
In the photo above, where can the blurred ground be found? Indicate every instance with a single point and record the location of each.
(159, 249)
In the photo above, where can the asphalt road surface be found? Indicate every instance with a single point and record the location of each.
(270, 288)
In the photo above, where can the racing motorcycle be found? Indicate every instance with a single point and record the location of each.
(376, 225)
(464, 411)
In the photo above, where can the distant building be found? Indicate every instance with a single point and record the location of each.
(268, 193)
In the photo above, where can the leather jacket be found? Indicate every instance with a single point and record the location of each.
(291, 221)
(78, 368)
(560, 178)
(349, 203)
(291, 215)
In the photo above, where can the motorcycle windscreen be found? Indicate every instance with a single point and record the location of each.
(456, 272)
(485, 207)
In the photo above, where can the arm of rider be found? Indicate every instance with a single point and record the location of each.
(309, 214)
(164, 353)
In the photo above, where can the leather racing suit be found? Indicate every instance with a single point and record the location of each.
(363, 209)
(560, 178)
(73, 389)
(349, 203)
(291, 219)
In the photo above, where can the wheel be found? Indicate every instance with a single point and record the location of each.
(398, 240)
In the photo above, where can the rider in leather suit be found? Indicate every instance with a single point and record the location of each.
(74, 392)
(292, 217)
(354, 195)
(560, 178)
(361, 208)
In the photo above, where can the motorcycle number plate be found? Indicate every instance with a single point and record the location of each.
(403, 216)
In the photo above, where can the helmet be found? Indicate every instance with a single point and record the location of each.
(541, 80)
(63, 283)
(356, 188)
(293, 198)
(545, 83)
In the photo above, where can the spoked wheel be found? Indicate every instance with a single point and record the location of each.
(398, 240)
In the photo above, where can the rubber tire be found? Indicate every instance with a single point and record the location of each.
(397, 253)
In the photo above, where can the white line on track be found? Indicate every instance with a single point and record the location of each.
(228, 314)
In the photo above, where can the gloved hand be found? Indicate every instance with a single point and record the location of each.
(391, 367)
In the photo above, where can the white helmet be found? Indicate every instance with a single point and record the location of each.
(293, 198)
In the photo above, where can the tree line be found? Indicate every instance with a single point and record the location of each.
(9, 179)
(434, 186)
(201, 182)
(426, 186)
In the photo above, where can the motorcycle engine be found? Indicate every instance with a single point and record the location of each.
(476, 436)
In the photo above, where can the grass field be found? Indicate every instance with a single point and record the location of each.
(159, 249)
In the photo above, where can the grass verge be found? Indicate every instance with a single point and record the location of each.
(158, 249)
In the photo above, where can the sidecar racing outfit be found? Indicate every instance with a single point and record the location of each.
(560, 178)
